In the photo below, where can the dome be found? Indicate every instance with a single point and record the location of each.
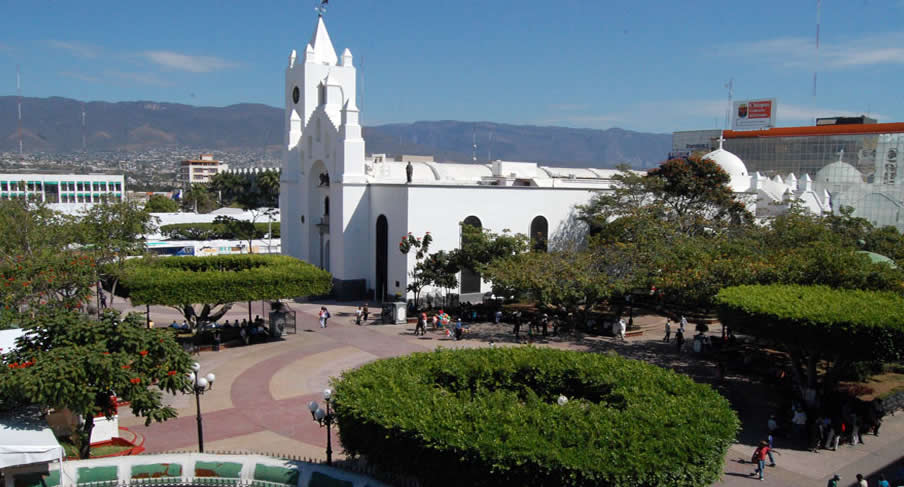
(838, 172)
(733, 165)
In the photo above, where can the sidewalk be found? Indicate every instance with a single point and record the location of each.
(260, 396)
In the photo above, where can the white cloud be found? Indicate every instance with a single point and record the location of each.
(143, 78)
(569, 107)
(80, 76)
(801, 52)
(670, 115)
(76, 48)
(185, 62)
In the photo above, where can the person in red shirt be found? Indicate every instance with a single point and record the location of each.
(759, 457)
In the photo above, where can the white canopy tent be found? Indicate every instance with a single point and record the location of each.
(8, 339)
(25, 441)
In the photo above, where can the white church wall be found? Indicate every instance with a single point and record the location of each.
(438, 209)
(392, 202)
(352, 213)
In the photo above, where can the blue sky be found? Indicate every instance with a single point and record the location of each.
(642, 65)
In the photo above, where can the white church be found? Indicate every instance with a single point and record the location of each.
(345, 211)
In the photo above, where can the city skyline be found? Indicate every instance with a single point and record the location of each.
(648, 66)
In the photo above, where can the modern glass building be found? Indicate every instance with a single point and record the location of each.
(872, 149)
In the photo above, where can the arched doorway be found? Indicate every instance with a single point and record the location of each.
(382, 258)
(539, 234)
(470, 280)
(318, 218)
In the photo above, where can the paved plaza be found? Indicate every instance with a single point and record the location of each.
(259, 401)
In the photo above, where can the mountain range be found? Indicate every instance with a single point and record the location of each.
(55, 125)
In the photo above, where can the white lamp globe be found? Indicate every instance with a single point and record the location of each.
(211, 377)
(196, 366)
(562, 400)
(313, 406)
(202, 383)
(191, 376)
(327, 394)
(319, 414)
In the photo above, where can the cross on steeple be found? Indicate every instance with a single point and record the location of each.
(841, 154)
(321, 9)
(721, 139)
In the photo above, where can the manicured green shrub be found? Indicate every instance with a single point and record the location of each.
(863, 324)
(175, 281)
(489, 417)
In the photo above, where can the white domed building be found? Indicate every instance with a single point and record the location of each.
(766, 197)
(733, 165)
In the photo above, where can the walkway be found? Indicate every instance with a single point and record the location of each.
(259, 401)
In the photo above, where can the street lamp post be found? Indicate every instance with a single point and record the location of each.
(324, 418)
(199, 386)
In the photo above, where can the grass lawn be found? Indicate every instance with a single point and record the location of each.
(96, 451)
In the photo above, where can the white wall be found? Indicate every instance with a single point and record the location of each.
(438, 209)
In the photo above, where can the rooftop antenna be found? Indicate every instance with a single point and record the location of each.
(19, 108)
(321, 9)
(474, 144)
(84, 130)
(816, 66)
(730, 86)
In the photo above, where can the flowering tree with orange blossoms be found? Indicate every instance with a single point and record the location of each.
(67, 360)
(39, 266)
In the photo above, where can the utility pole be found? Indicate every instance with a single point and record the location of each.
(19, 106)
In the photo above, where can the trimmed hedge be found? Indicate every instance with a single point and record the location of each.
(212, 231)
(866, 324)
(489, 417)
(176, 281)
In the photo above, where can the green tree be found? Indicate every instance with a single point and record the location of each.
(203, 289)
(480, 247)
(440, 271)
(691, 193)
(821, 328)
(419, 276)
(158, 203)
(112, 232)
(199, 199)
(39, 266)
(71, 361)
(238, 229)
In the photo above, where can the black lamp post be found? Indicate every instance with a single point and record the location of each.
(630, 312)
(324, 418)
(199, 386)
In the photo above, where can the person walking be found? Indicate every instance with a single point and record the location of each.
(861, 482)
(458, 329)
(516, 328)
(883, 482)
(683, 325)
(770, 439)
(833, 482)
(365, 312)
(759, 457)
(421, 325)
(621, 326)
(679, 340)
(358, 314)
(668, 331)
(324, 316)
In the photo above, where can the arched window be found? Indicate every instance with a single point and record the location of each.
(470, 279)
(382, 258)
(539, 234)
